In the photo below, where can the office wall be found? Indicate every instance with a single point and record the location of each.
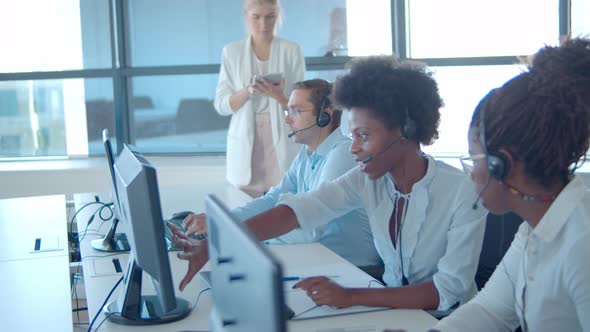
(34, 178)
(91, 175)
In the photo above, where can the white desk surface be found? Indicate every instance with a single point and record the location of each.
(22, 220)
(293, 257)
(35, 287)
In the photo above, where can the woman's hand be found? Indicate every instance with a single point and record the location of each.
(195, 223)
(324, 291)
(264, 87)
(195, 252)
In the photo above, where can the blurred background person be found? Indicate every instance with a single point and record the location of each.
(258, 149)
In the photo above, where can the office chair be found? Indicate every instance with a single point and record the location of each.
(499, 233)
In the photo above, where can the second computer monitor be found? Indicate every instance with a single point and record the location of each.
(247, 284)
(139, 202)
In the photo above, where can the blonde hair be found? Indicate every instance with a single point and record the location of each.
(248, 4)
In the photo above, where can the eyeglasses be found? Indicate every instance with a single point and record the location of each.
(295, 113)
(467, 161)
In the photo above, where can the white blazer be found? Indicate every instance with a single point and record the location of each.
(235, 73)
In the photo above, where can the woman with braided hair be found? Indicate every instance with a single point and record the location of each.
(526, 140)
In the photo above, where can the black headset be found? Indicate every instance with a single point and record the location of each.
(408, 129)
(323, 118)
(498, 163)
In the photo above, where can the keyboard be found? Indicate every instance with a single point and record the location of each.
(168, 233)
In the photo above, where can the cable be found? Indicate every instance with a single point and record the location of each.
(99, 212)
(80, 210)
(79, 237)
(306, 311)
(197, 300)
(104, 319)
(103, 304)
(75, 292)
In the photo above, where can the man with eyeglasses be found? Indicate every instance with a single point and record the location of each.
(325, 155)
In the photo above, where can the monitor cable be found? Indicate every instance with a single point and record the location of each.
(102, 306)
(75, 239)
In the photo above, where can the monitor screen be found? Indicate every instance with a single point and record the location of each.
(112, 241)
(246, 280)
(108, 149)
(139, 202)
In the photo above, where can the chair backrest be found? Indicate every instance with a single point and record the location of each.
(199, 115)
(499, 233)
(100, 114)
(142, 102)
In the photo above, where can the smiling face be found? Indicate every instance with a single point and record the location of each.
(261, 20)
(371, 138)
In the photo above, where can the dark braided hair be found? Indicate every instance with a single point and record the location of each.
(387, 88)
(542, 116)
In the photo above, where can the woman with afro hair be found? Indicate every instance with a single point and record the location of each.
(420, 209)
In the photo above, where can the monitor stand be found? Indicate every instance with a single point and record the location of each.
(134, 308)
(112, 241)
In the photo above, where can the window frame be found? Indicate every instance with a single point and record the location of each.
(121, 73)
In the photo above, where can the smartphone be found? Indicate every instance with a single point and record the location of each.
(274, 78)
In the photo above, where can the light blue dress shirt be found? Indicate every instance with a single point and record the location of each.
(348, 235)
(442, 235)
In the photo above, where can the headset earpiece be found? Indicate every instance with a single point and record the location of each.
(498, 166)
(323, 118)
(408, 130)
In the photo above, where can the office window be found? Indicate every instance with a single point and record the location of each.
(202, 28)
(462, 87)
(54, 35)
(338, 27)
(580, 18)
(176, 113)
(466, 28)
(48, 117)
(57, 88)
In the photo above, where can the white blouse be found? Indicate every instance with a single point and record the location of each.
(235, 73)
(441, 235)
(543, 281)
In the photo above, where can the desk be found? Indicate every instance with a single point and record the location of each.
(35, 286)
(292, 257)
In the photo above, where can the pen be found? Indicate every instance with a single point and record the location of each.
(296, 278)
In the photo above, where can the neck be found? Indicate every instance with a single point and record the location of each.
(261, 47)
(532, 212)
(317, 140)
(532, 207)
(410, 170)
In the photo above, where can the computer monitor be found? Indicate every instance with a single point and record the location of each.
(246, 280)
(112, 241)
(139, 203)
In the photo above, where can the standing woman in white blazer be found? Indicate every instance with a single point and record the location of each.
(259, 150)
